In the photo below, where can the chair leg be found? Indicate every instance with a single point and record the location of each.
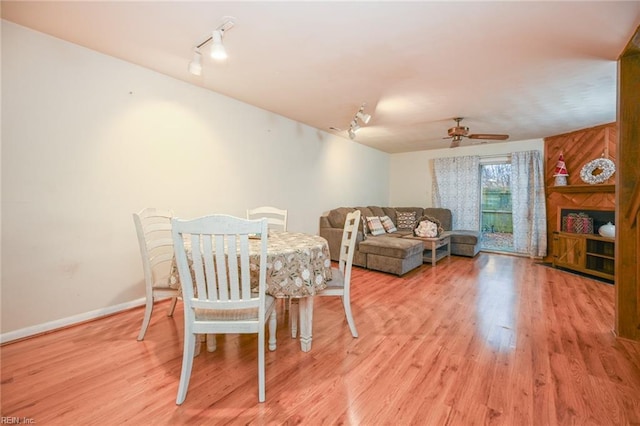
(346, 302)
(147, 317)
(187, 364)
(261, 375)
(273, 322)
(172, 307)
(294, 313)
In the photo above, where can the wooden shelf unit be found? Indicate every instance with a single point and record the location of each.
(587, 253)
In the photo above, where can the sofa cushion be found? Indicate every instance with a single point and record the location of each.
(464, 237)
(388, 225)
(406, 220)
(374, 225)
(392, 247)
(337, 217)
(377, 211)
(391, 212)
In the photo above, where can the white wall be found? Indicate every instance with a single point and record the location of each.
(411, 173)
(88, 139)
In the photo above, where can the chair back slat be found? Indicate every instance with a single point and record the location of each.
(245, 267)
(232, 261)
(209, 269)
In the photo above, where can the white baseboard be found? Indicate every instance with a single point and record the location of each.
(65, 322)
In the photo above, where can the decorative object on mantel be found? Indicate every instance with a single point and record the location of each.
(608, 230)
(561, 172)
(598, 170)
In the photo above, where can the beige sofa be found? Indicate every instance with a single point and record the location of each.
(390, 252)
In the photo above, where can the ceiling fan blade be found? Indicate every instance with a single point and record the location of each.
(489, 137)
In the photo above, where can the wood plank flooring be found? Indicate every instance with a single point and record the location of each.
(495, 339)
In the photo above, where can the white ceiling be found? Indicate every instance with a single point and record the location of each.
(527, 69)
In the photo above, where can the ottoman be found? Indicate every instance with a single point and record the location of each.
(464, 243)
(389, 254)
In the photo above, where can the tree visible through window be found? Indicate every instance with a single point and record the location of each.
(496, 213)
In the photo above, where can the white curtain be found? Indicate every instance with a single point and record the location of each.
(456, 186)
(528, 201)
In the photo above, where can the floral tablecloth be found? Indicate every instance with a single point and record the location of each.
(298, 265)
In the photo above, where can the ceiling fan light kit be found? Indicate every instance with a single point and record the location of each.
(218, 52)
(458, 132)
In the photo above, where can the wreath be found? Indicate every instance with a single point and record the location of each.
(605, 167)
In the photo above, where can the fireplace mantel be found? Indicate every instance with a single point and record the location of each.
(583, 188)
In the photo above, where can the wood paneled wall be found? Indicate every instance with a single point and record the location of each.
(628, 193)
(578, 148)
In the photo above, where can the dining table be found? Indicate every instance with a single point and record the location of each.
(298, 266)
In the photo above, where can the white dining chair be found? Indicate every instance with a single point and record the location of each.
(153, 227)
(216, 287)
(277, 218)
(340, 283)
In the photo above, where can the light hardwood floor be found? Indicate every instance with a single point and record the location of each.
(492, 340)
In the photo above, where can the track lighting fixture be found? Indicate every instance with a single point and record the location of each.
(218, 52)
(362, 116)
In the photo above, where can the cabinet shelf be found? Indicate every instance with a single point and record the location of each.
(587, 253)
(600, 255)
(583, 188)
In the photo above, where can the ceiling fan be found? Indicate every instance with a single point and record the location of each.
(458, 132)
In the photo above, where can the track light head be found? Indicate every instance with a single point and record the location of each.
(353, 129)
(363, 116)
(218, 52)
(195, 66)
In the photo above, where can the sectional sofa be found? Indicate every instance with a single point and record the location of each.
(390, 252)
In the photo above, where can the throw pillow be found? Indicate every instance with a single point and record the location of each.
(406, 220)
(388, 225)
(440, 230)
(427, 229)
(374, 225)
(365, 231)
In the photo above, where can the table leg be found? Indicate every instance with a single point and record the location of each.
(211, 342)
(306, 322)
(433, 253)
